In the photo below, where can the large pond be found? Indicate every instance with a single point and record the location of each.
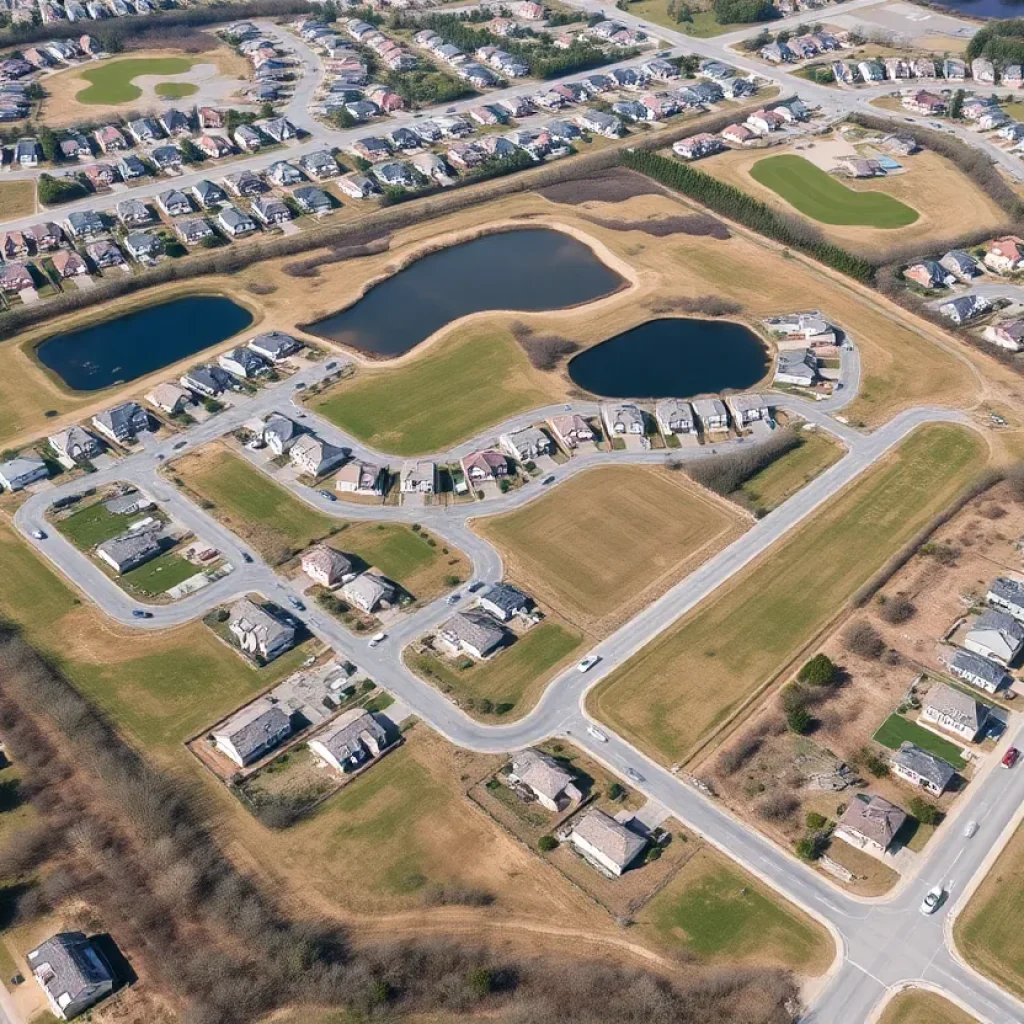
(529, 270)
(984, 8)
(672, 358)
(130, 346)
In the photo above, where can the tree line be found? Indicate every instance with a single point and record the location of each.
(1001, 42)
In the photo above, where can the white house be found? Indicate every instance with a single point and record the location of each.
(75, 445)
(253, 732)
(606, 843)
(747, 409)
(920, 768)
(21, 471)
(258, 632)
(314, 457)
(326, 566)
(72, 973)
(675, 416)
(978, 671)
(368, 592)
(622, 418)
(1007, 594)
(712, 414)
(955, 711)
(527, 444)
(357, 477)
(418, 477)
(870, 823)
(550, 783)
(353, 739)
(995, 635)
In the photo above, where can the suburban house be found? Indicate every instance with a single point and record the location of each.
(481, 467)
(796, 366)
(280, 433)
(236, 223)
(1007, 594)
(129, 550)
(194, 230)
(369, 591)
(69, 264)
(605, 843)
(207, 380)
(978, 671)
(122, 423)
(326, 566)
(955, 711)
(169, 398)
(922, 769)
(811, 327)
(675, 416)
(21, 471)
(320, 164)
(274, 346)
(143, 246)
(1004, 255)
(505, 602)
(104, 254)
(72, 973)
(965, 308)
(271, 210)
(545, 778)
(870, 823)
(712, 415)
(75, 444)
(258, 632)
(252, 732)
(174, 203)
(929, 274)
(472, 632)
(570, 429)
(213, 146)
(418, 477)
(209, 194)
(995, 635)
(314, 457)
(1008, 334)
(527, 444)
(747, 409)
(697, 146)
(737, 133)
(312, 199)
(622, 418)
(358, 477)
(353, 738)
(960, 264)
(242, 362)
(15, 277)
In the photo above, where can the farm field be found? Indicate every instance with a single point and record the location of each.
(917, 1006)
(826, 199)
(483, 375)
(111, 83)
(785, 476)
(716, 912)
(610, 540)
(668, 697)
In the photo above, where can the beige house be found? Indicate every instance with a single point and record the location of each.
(352, 740)
(314, 457)
(570, 430)
(870, 823)
(604, 842)
(483, 467)
(368, 592)
(418, 477)
(324, 565)
(258, 632)
(545, 778)
(357, 477)
(252, 732)
(170, 398)
(955, 711)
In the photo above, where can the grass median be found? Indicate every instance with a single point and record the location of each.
(683, 684)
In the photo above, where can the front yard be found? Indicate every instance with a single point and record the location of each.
(895, 729)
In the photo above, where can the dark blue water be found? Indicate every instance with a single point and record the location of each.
(529, 270)
(133, 345)
(672, 358)
(984, 8)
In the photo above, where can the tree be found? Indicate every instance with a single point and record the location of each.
(926, 813)
(48, 144)
(895, 610)
(956, 104)
(816, 821)
(546, 844)
(615, 791)
(799, 719)
(190, 152)
(819, 671)
(861, 638)
(810, 847)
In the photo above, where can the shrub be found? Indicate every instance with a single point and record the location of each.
(810, 847)
(730, 761)
(799, 720)
(926, 813)
(873, 763)
(546, 844)
(816, 821)
(895, 610)
(615, 791)
(944, 554)
(861, 638)
(819, 671)
(777, 807)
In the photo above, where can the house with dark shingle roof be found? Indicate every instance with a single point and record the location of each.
(353, 739)
(921, 768)
(870, 823)
(472, 632)
(1007, 594)
(955, 711)
(978, 671)
(505, 602)
(605, 842)
(252, 732)
(258, 632)
(71, 972)
(545, 778)
(995, 635)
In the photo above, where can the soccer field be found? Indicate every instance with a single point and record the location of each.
(825, 199)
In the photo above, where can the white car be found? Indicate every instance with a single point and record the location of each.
(597, 734)
(39, 535)
(588, 663)
(970, 828)
(932, 899)
(377, 638)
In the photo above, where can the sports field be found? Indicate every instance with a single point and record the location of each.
(826, 199)
(458, 388)
(917, 1006)
(610, 540)
(112, 83)
(669, 696)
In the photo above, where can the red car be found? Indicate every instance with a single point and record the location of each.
(1010, 757)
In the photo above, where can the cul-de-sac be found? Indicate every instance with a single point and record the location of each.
(511, 512)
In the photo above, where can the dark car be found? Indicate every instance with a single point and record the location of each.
(479, 585)
(139, 614)
(246, 557)
(547, 480)
(327, 495)
(180, 444)
(296, 603)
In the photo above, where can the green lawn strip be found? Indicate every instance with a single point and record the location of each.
(895, 729)
(689, 679)
(717, 912)
(431, 404)
(786, 475)
(508, 675)
(160, 574)
(112, 83)
(92, 525)
(823, 198)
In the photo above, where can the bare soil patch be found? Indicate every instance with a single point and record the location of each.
(613, 185)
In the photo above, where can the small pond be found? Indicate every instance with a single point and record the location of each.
(672, 358)
(984, 8)
(529, 269)
(130, 346)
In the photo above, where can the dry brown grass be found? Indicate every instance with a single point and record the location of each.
(17, 199)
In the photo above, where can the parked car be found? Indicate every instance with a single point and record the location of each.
(548, 480)
(327, 494)
(331, 366)
(246, 557)
(597, 734)
(452, 598)
(180, 444)
(1010, 757)
(140, 614)
(932, 899)
(39, 534)
(970, 828)
(588, 663)
(378, 638)
(296, 603)
(479, 585)
(301, 384)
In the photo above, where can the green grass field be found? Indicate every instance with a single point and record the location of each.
(175, 90)
(823, 198)
(432, 403)
(686, 682)
(112, 83)
(916, 1006)
(160, 574)
(718, 913)
(510, 676)
(895, 729)
(785, 476)
(92, 525)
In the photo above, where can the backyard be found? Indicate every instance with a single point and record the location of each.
(896, 729)
(697, 674)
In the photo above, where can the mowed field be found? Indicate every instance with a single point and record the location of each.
(917, 1006)
(610, 540)
(785, 476)
(111, 83)
(670, 695)
(475, 378)
(826, 199)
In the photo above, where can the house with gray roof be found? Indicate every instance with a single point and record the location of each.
(747, 409)
(369, 591)
(326, 566)
(955, 711)
(675, 416)
(796, 366)
(253, 732)
(351, 741)
(712, 414)
(870, 823)
(72, 973)
(123, 423)
(527, 444)
(242, 362)
(21, 471)
(418, 477)
(207, 380)
(274, 346)
(978, 671)
(996, 636)
(622, 418)
(505, 602)
(280, 433)
(129, 550)
(921, 768)
(1007, 594)
(606, 843)
(550, 783)
(75, 445)
(258, 632)
(314, 457)
(473, 632)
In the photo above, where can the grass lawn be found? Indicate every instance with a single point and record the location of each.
(691, 678)
(785, 476)
(160, 574)
(429, 404)
(608, 539)
(895, 729)
(17, 199)
(917, 1006)
(175, 90)
(92, 525)
(112, 83)
(717, 912)
(515, 677)
(824, 198)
